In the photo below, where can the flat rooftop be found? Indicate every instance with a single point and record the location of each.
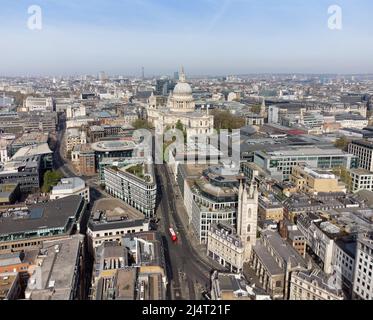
(6, 284)
(361, 172)
(112, 213)
(32, 138)
(53, 214)
(32, 150)
(126, 281)
(115, 207)
(57, 269)
(115, 145)
(69, 183)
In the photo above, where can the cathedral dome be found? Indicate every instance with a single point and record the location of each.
(182, 88)
(181, 99)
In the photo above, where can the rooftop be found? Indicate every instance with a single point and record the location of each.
(68, 184)
(319, 279)
(283, 249)
(112, 213)
(115, 145)
(53, 214)
(32, 150)
(361, 172)
(6, 283)
(32, 138)
(53, 278)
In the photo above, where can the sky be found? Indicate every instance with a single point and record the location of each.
(207, 37)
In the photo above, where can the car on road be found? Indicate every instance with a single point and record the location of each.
(172, 234)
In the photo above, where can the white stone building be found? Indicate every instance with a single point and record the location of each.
(68, 187)
(135, 184)
(225, 247)
(363, 279)
(361, 180)
(74, 137)
(313, 285)
(39, 104)
(319, 236)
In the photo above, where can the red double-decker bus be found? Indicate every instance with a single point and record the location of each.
(173, 234)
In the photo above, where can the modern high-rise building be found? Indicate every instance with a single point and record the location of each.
(164, 86)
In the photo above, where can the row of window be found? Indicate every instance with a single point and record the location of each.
(106, 234)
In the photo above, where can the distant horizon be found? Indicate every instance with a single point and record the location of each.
(188, 75)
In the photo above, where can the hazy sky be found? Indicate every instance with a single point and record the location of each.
(206, 36)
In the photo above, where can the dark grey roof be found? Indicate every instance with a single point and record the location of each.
(99, 226)
(55, 215)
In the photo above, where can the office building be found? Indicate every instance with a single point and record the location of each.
(10, 286)
(344, 262)
(363, 149)
(314, 181)
(28, 139)
(135, 184)
(225, 247)
(320, 236)
(214, 194)
(39, 104)
(313, 285)
(84, 159)
(361, 179)
(70, 186)
(59, 272)
(25, 172)
(74, 137)
(363, 281)
(111, 219)
(20, 227)
(228, 286)
(270, 208)
(113, 149)
(280, 162)
(9, 193)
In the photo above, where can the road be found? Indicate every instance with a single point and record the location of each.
(185, 269)
(181, 257)
(61, 164)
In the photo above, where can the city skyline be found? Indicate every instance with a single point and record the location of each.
(208, 37)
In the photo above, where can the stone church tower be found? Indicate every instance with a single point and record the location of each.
(247, 216)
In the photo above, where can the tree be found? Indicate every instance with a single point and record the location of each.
(50, 179)
(345, 176)
(256, 109)
(225, 120)
(341, 143)
(180, 126)
(141, 124)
